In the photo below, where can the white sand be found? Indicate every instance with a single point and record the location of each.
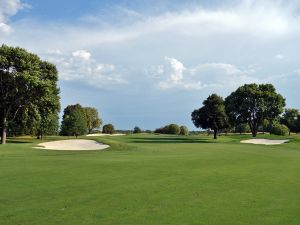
(101, 134)
(78, 144)
(264, 141)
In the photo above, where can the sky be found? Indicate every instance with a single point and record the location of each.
(151, 63)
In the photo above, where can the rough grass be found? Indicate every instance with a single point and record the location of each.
(151, 179)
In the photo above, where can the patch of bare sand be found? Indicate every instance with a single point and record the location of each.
(74, 144)
(264, 141)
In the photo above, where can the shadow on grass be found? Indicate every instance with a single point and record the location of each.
(14, 141)
(168, 140)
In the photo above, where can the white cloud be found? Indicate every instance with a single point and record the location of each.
(80, 66)
(82, 54)
(174, 75)
(9, 8)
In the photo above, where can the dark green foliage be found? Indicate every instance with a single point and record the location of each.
(290, 119)
(92, 119)
(27, 84)
(279, 129)
(252, 104)
(242, 128)
(108, 129)
(168, 129)
(212, 115)
(184, 130)
(137, 130)
(74, 121)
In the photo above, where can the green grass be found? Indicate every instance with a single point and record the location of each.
(151, 179)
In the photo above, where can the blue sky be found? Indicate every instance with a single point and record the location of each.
(150, 63)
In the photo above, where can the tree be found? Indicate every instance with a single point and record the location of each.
(252, 104)
(212, 115)
(184, 130)
(168, 129)
(173, 129)
(23, 83)
(242, 128)
(74, 121)
(290, 119)
(279, 129)
(137, 130)
(108, 129)
(92, 118)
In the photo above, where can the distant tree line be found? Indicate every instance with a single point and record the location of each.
(251, 108)
(172, 129)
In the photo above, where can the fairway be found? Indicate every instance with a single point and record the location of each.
(152, 179)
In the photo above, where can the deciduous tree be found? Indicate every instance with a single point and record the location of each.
(212, 115)
(253, 103)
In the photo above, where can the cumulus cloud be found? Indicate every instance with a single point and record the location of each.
(82, 54)
(174, 75)
(9, 8)
(81, 67)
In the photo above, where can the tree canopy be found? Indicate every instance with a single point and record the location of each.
(74, 121)
(108, 129)
(253, 103)
(290, 118)
(212, 115)
(137, 130)
(26, 83)
(92, 118)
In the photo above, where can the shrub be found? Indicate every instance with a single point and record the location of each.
(108, 129)
(169, 129)
(184, 130)
(279, 129)
(173, 129)
(242, 128)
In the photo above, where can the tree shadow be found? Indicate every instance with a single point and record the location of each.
(13, 141)
(172, 140)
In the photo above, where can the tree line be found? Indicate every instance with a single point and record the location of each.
(252, 106)
(30, 103)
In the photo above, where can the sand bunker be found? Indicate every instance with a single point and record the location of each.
(100, 134)
(264, 141)
(78, 144)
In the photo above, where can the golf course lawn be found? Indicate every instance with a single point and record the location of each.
(151, 179)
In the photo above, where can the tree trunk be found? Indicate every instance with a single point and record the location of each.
(254, 133)
(215, 134)
(4, 129)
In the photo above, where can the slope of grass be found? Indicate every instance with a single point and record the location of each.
(151, 179)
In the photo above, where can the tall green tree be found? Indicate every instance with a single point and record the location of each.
(92, 118)
(23, 84)
(108, 129)
(74, 121)
(290, 119)
(253, 103)
(212, 115)
(49, 105)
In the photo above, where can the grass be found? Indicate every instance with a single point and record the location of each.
(151, 179)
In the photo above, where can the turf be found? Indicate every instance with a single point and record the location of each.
(151, 179)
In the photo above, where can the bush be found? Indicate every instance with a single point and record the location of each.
(173, 129)
(242, 128)
(184, 130)
(169, 129)
(279, 129)
(108, 129)
(137, 130)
